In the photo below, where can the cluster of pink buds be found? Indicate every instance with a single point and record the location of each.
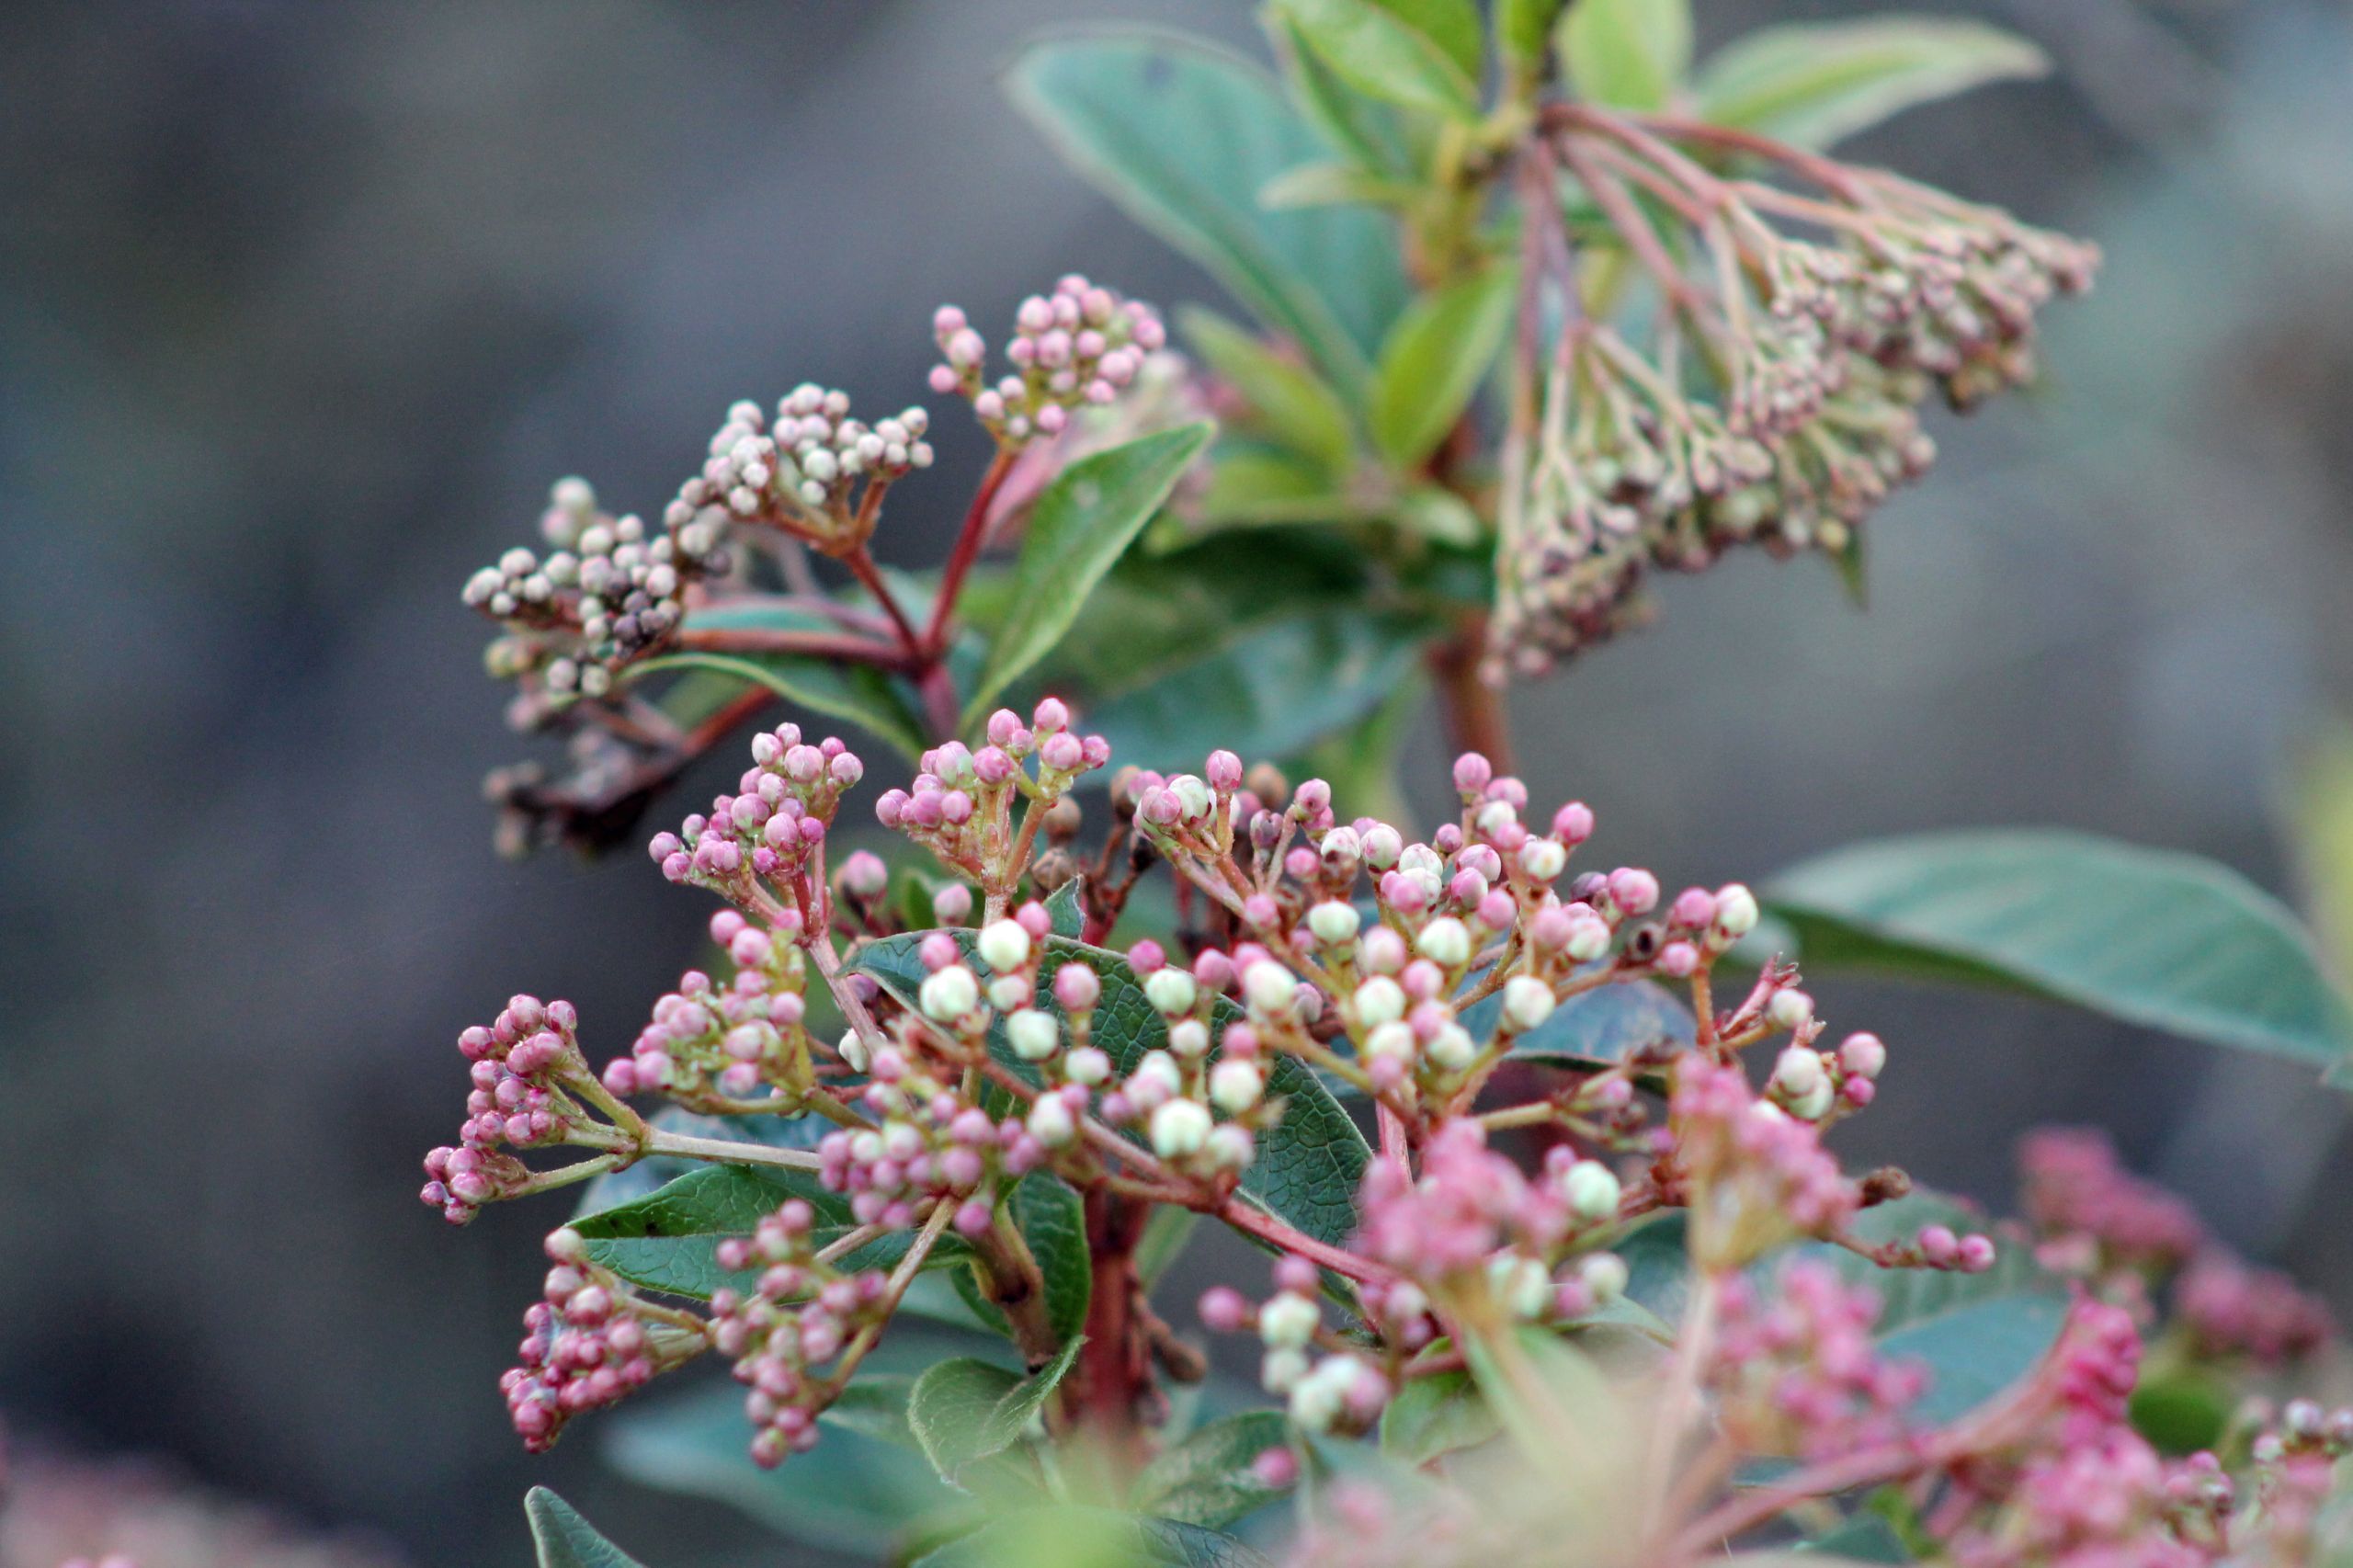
(1079, 346)
(801, 1313)
(2233, 1310)
(527, 1068)
(772, 829)
(2075, 1192)
(961, 806)
(707, 1040)
(1472, 1229)
(588, 1343)
(2306, 1429)
(812, 471)
(1796, 1372)
(1755, 1178)
(604, 595)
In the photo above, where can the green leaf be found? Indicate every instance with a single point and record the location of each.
(1066, 908)
(668, 1240)
(1552, 1400)
(1977, 1333)
(1366, 133)
(564, 1540)
(1072, 1537)
(1208, 1479)
(1183, 137)
(852, 693)
(1376, 47)
(1309, 1165)
(1627, 53)
(1052, 1220)
(1437, 1414)
(1294, 405)
(1165, 1236)
(1812, 84)
(1083, 523)
(863, 1489)
(1274, 694)
(2166, 940)
(1336, 184)
(966, 1410)
(1596, 1027)
(1863, 1538)
(1434, 360)
(1522, 26)
(2182, 1412)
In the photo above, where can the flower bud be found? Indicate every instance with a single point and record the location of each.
(1288, 1321)
(1378, 1001)
(1170, 990)
(1050, 1123)
(1334, 922)
(1605, 1275)
(1592, 1191)
(1735, 911)
(1797, 1073)
(950, 993)
(1445, 941)
(1527, 1001)
(1004, 945)
(1789, 1009)
(1862, 1055)
(1235, 1086)
(1034, 1034)
(1179, 1127)
(1270, 989)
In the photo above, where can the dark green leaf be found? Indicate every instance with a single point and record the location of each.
(1273, 694)
(1434, 1414)
(564, 1540)
(1183, 137)
(856, 694)
(2183, 1411)
(1066, 909)
(1208, 1479)
(1052, 1220)
(668, 1240)
(1812, 84)
(1373, 48)
(1434, 360)
(966, 1410)
(1083, 523)
(2164, 940)
(1294, 403)
(1627, 53)
(1308, 1166)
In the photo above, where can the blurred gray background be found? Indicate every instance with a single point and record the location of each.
(303, 306)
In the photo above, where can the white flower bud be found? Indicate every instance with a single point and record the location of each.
(1282, 1369)
(949, 993)
(1519, 1283)
(1789, 1009)
(1395, 1038)
(1179, 1127)
(1588, 940)
(1157, 1072)
(1527, 1001)
(1334, 922)
(1034, 1034)
(1544, 858)
(1233, 1146)
(1087, 1066)
(1288, 1321)
(1453, 1049)
(1604, 1274)
(1378, 1001)
(1188, 1037)
(1592, 1191)
(1192, 795)
(1445, 941)
(1270, 989)
(1383, 845)
(1815, 1103)
(1315, 1400)
(1170, 990)
(1235, 1086)
(1050, 1123)
(1797, 1072)
(1863, 1055)
(1007, 992)
(1004, 945)
(1735, 911)
(852, 1051)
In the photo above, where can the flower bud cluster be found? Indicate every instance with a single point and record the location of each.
(1756, 1176)
(1080, 347)
(801, 1313)
(961, 806)
(523, 1066)
(2306, 1429)
(773, 827)
(1339, 1392)
(1796, 1372)
(604, 595)
(1824, 352)
(736, 1040)
(812, 471)
(2233, 1311)
(588, 1343)
(2078, 1193)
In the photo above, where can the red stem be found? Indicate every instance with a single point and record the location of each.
(967, 551)
(861, 563)
(770, 640)
(1266, 1228)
